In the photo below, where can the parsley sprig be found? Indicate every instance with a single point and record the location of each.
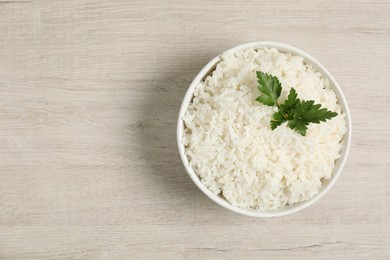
(297, 113)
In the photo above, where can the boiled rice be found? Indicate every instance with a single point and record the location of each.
(229, 142)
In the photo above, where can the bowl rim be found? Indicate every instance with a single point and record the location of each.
(209, 67)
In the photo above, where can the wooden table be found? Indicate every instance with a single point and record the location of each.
(89, 97)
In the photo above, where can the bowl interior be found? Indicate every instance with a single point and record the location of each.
(339, 164)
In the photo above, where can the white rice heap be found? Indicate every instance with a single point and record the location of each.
(229, 142)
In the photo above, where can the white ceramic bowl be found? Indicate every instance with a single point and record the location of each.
(339, 163)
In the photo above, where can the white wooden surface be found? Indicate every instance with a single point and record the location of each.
(89, 96)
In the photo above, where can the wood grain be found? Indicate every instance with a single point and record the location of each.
(90, 92)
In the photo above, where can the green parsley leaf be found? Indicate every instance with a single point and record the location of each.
(298, 113)
(298, 125)
(277, 120)
(287, 107)
(291, 101)
(313, 113)
(270, 87)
